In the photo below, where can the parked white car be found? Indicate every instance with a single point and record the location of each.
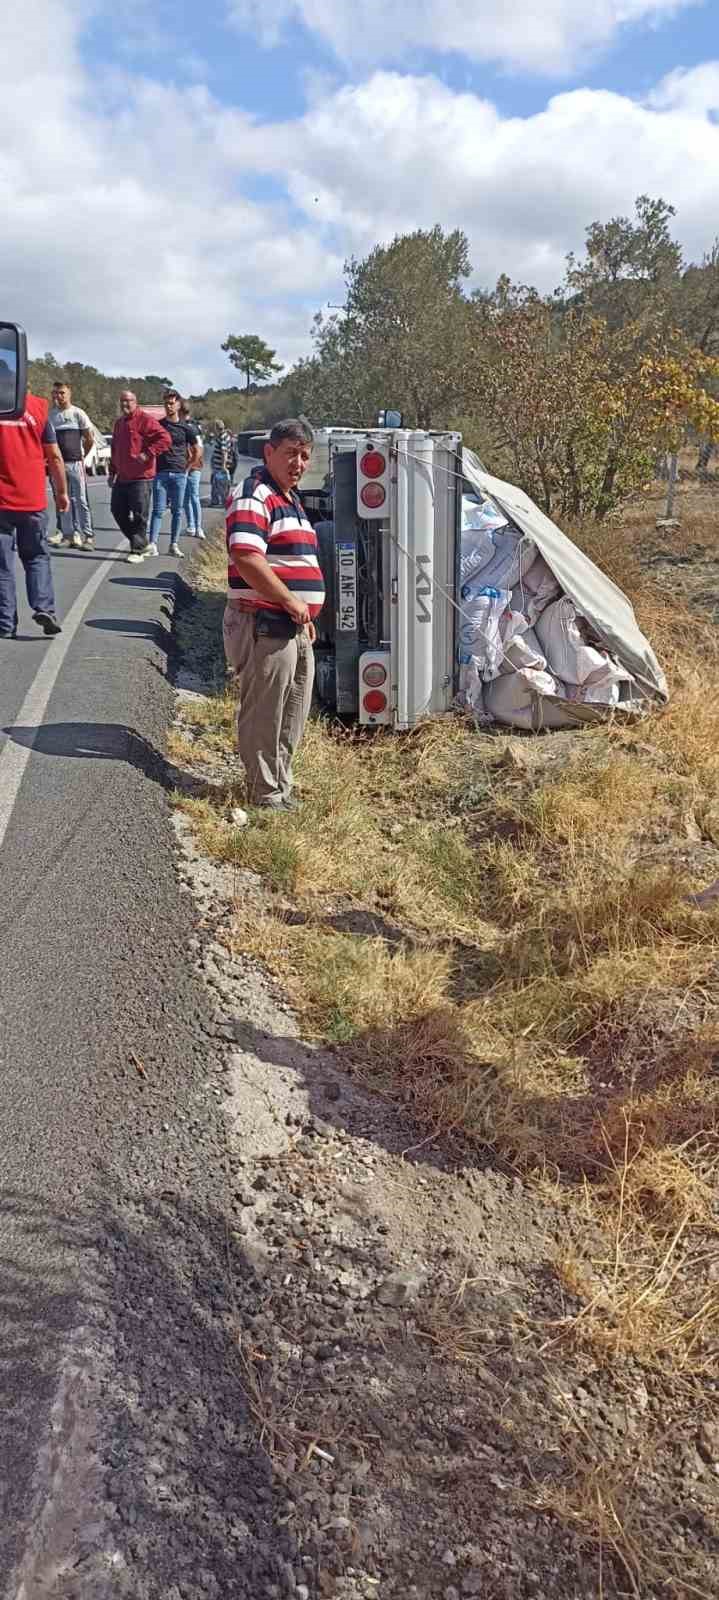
(98, 459)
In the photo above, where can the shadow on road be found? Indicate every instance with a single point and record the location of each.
(98, 741)
(87, 555)
(130, 629)
(26, 638)
(162, 580)
(106, 741)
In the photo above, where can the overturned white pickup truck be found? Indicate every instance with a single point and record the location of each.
(446, 586)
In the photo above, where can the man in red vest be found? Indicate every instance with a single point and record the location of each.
(26, 444)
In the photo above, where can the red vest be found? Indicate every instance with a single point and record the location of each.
(22, 459)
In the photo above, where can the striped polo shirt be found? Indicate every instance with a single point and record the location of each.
(262, 519)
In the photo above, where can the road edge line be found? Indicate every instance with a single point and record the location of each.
(14, 757)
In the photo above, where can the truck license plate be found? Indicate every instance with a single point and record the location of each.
(346, 588)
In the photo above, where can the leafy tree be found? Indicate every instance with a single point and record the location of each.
(95, 391)
(400, 339)
(640, 251)
(581, 407)
(230, 404)
(699, 301)
(252, 356)
(628, 264)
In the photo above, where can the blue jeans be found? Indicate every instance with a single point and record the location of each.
(193, 507)
(26, 532)
(77, 519)
(168, 488)
(219, 487)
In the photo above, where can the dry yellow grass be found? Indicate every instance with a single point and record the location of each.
(496, 932)
(602, 1503)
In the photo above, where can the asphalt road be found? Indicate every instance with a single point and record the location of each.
(112, 1152)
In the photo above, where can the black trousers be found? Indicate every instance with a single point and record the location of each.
(130, 506)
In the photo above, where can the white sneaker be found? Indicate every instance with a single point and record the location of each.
(77, 541)
(175, 550)
(201, 534)
(151, 550)
(55, 538)
(135, 558)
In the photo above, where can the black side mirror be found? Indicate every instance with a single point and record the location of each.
(13, 370)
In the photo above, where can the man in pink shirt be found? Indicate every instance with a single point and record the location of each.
(137, 441)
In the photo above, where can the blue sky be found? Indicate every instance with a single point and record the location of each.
(200, 170)
(192, 44)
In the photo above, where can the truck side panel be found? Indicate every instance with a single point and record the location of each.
(424, 538)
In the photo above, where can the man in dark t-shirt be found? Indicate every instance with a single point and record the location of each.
(172, 469)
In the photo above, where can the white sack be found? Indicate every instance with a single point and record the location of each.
(600, 694)
(512, 623)
(563, 643)
(611, 687)
(536, 587)
(519, 699)
(523, 651)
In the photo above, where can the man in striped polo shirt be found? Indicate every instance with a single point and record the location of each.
(275, 591)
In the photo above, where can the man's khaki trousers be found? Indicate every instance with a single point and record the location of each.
(274, 679)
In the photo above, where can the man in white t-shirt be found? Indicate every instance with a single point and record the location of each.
(75, 437)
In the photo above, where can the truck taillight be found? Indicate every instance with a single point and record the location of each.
(373, 464)
(374, 675)
(375, 701)
(373, 479)
(374, 688)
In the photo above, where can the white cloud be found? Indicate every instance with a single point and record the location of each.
(138, 229)
(693, 89)
(548, 36)
(126, 239)
(399, 152)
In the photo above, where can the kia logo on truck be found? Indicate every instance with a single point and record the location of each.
(423, 589)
